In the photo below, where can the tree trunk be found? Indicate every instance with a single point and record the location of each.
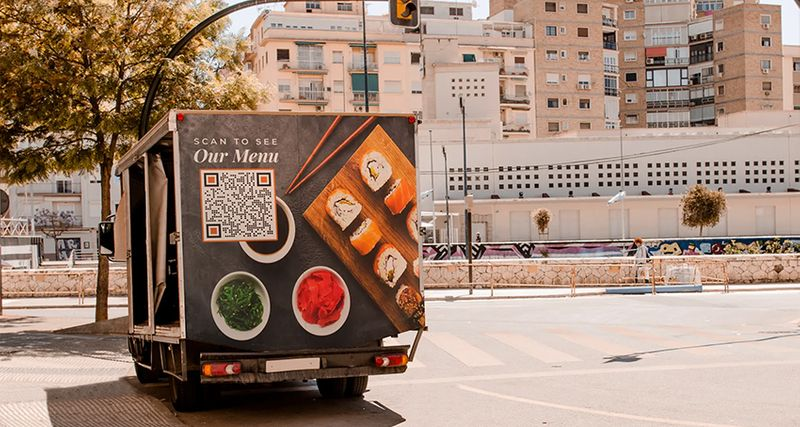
(101, 306)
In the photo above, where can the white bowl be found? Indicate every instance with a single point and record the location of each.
(284, 250)
(261, 291)
(312, 328)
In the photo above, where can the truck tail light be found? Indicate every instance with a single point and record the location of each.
(391, 360)
(221, 369)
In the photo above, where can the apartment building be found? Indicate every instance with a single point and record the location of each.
(791, 77)
(313, 56)
(666, 63)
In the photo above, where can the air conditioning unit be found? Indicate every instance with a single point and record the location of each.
(565, 126)
(765, 26)
(765, 70)
(650, 61)
(766, 93)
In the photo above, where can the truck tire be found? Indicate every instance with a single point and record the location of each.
(186, 396)
(145, 375)
(332, 387)
(356, 386)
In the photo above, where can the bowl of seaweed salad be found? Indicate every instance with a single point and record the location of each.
(240, 306)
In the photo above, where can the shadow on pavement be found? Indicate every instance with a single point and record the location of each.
(44, 344)
(280, 404)
(18, 321)
(113, 403)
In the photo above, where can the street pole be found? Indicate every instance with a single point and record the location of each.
(433, 194)
(446, 203)
(364, 42)
(467, 211)
(621, 181)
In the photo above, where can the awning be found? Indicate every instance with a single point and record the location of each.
(654, 52)
(357, 82)
(302, 43)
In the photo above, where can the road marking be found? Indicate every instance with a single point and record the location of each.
(669, 344)
(592, 342)
(465, 352)
(533, 348)
(581, 372)
(590, 411)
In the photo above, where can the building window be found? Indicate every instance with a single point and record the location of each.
(456, 11)
(766, 85)
(629, 14)
(344, 7)
(338, 58)
(766, 19)
(583, 56)
(313, 5)
(583, 32)
(721, 90)
(629, 35)
(796, 88)
(631, 98)
(549, 6)
(630, 77)
(766, 41)
(468, 57)
(720, 46)
(391, 58)
(283, 55)
(550, 30)
(426, 10)
(766, 64)
(583, 8)
(392, 86)
(551, 79)
(721, 68)
(552, 102)
(584, 104)
(630, 56)
(553, 126)
(415, 56)
(338, 86)
(631, 119)
(551, 55)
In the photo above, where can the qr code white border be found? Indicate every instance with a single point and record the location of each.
(275, 206)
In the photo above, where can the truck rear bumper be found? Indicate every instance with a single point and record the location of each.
(332, 364)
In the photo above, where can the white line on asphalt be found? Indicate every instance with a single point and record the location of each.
(463, 351)
(592, 342)
(533, 348)
(590, 411)
(665, 342)
(581, 372)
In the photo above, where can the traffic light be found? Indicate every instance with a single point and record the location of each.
(404, 13)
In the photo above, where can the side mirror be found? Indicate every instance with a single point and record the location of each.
(105, 238)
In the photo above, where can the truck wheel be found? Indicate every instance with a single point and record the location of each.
(144, 375)
(356, 386)
(332, 387)
(186, 396)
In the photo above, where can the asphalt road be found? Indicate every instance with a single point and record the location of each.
(692, 360)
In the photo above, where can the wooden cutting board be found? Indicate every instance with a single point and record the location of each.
(393, 227)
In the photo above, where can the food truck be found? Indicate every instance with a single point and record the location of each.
(265, 247)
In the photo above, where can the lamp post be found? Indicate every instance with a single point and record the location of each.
(467, 203)
(446, 203)
(433, 195)
(364, 46)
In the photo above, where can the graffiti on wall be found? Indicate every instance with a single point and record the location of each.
(666, 247)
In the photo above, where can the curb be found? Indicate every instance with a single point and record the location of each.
(508, 297)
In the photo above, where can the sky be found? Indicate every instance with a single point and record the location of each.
(242, 20)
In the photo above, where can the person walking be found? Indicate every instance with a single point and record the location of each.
(640, 259)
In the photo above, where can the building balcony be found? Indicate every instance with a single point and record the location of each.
(610, 45)
(59, 187)
(358, 98)
(583, 86)
(306, 97)
(518, 71)
(612, 91)
(516, 128)
(702, 101)
(668, 103)
(515, 100)
(696, 59)
(701, 37)
(697, 80)
(358, 66)
(611, 68)
(609, 22)
(305, 67)
(673, 124)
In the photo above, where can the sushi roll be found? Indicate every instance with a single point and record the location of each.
(375, 170)
(415, 267)
(389, 264)
(400, 193)
(412, 224)
(410, 301)
(342, 207)
(365, 237)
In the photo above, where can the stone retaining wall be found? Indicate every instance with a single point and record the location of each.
(736, 269)
(40, 283)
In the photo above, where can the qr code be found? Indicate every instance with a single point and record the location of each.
(238, 205)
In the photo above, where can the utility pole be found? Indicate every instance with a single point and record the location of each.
(364, 46)
(467, 207)
(433, 194)
(446, 202)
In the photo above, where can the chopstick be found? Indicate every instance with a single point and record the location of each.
(336, 151)
(313, 153)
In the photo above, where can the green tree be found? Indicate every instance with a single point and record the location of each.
(542, 219)
(702, 207)
(74, 75)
